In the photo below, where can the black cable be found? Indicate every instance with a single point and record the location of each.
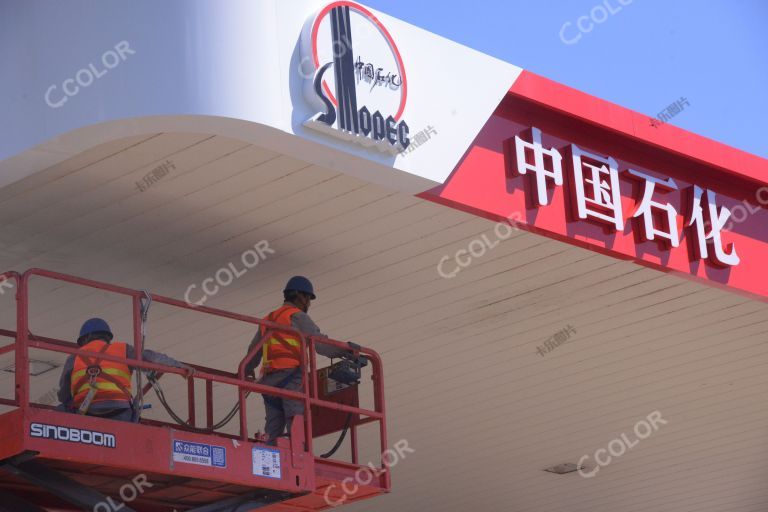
(145, 303)
(161, 396)
(341, 438)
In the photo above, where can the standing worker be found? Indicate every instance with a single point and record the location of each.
(99, 387)
(281, 355)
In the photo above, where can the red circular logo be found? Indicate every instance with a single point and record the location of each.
(369, 16)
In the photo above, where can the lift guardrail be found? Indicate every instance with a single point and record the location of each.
(24, 340)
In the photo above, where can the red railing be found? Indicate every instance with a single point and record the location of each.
(24, 340)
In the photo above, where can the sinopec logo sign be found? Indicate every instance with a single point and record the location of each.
(358, 85)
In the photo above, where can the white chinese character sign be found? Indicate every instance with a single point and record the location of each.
(597, 189)
(577, 169)
(658, 219)
(709, 232)
(531, 156)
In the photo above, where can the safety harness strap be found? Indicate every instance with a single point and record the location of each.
(93, 372)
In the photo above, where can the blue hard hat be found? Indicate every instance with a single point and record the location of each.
(300, 284)
(95, 325)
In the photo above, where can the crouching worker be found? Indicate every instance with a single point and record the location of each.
(280, 356)
(99, 387)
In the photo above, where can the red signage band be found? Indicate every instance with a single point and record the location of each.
(573, 180)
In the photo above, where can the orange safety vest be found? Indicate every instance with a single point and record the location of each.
(114, 381)
(282, 350)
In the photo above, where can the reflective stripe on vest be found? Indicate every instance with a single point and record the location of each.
(116, 387)
(275, 354)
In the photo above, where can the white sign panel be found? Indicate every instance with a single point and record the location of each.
(266, 462)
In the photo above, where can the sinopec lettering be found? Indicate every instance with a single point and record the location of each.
(361, 125)
(359, 87)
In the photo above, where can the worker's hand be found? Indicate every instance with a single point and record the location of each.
(354, 346)
(190, 370)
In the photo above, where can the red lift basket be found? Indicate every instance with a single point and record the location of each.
(58, 461)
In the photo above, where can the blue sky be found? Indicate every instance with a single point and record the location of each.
(645, 56)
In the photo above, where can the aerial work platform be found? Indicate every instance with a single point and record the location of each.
(59, 461)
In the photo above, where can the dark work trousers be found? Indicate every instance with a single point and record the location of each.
(279, 412)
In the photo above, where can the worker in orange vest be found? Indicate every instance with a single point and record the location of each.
(280, 356)
(100, 387)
